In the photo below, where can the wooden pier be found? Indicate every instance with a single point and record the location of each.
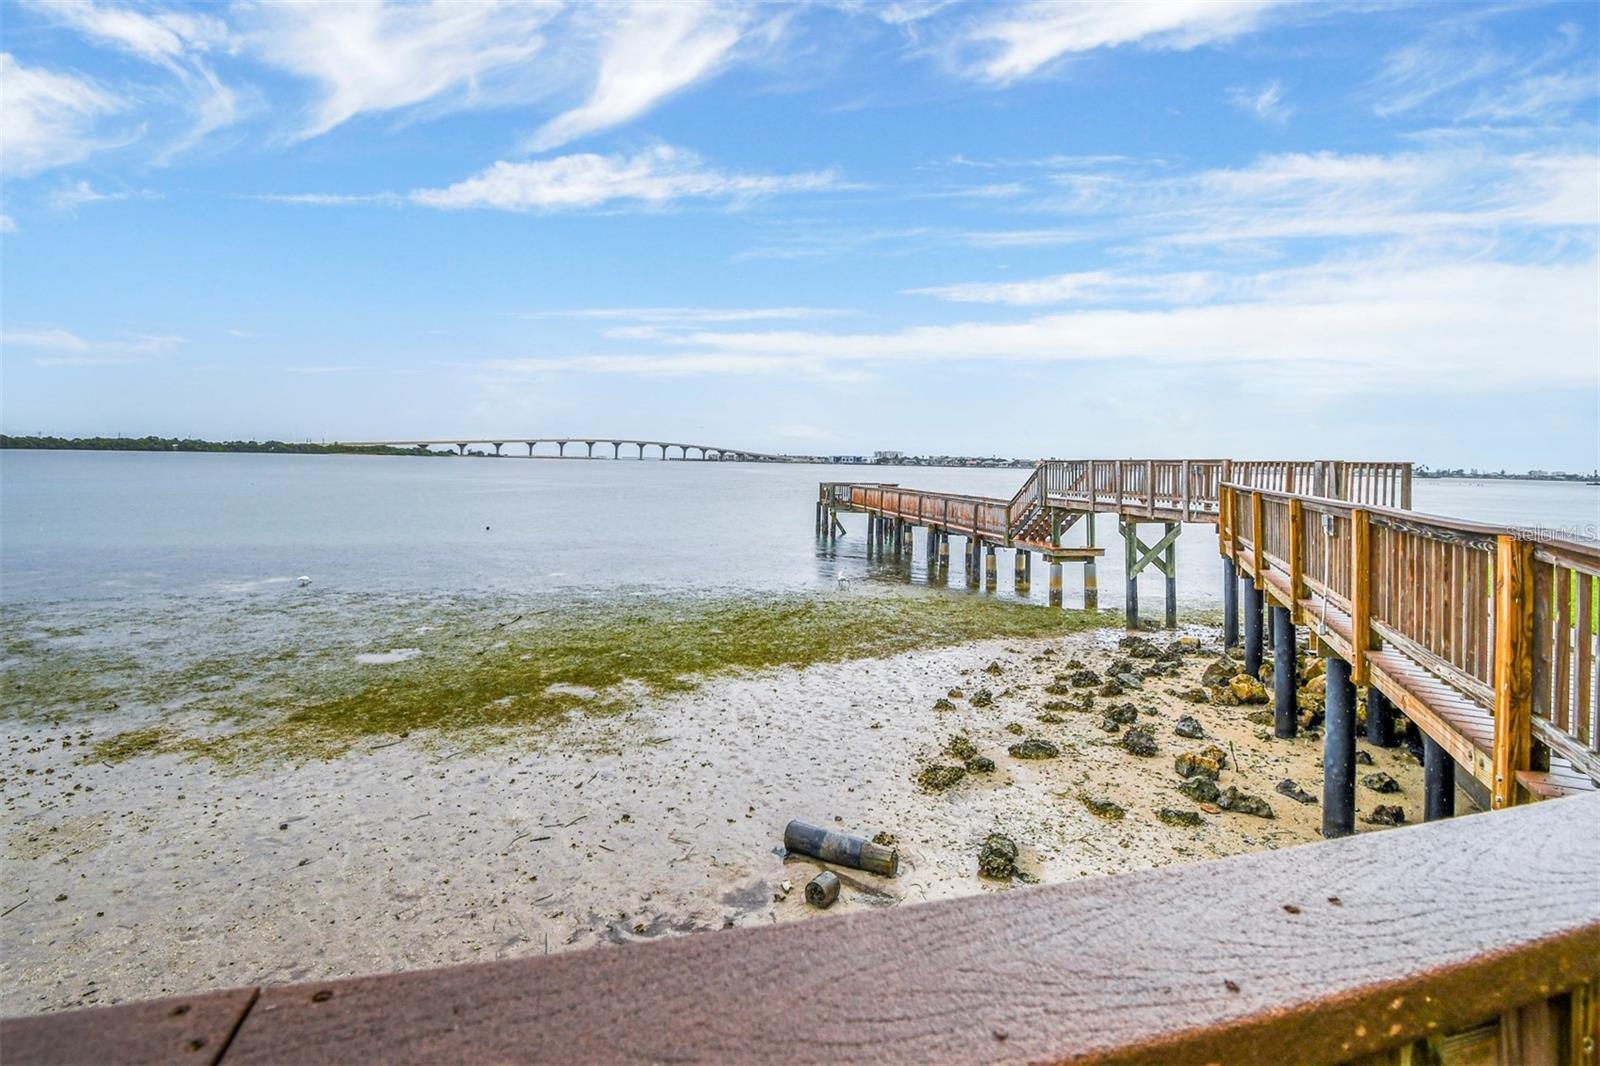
(1484, 636)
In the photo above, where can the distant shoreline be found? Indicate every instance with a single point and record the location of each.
(182, 444)
(274, 447)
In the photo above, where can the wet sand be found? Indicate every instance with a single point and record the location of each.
(162, 875)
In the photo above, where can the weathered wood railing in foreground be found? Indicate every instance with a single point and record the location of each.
(1476, 935)
(1485, 636)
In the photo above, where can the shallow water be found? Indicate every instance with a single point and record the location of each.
(152, 530)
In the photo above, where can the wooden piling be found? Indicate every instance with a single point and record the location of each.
(1130, 570)
(1380, 719)
(1438, 780)
(1230, 604)
(1091, 582)
(991, 579)
(1171, 571)
(1285, 709)
(1055, 582)
(1339, 752)
(1252, 627)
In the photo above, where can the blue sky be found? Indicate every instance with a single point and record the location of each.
(1162, 228)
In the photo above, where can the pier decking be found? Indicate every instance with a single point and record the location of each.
(1484, 636)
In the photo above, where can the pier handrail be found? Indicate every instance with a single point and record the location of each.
(1506, 616)
(1492, 936)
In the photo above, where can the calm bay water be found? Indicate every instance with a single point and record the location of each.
(135, 529)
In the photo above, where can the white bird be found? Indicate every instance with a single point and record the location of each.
(304, 581)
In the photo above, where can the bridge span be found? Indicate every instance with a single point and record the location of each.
(707, 452)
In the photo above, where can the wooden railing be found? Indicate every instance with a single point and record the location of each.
(1379, 948)
(1171, 490)
(1507, 618)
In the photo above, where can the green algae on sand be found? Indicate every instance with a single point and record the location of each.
(598, 658)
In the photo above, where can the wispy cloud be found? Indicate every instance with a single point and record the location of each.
(65, 348)
(76, 194)
(381, 56)
(1459, 72)
(48, 119)
(1018, 41)
(688, 315)
(1085, 287)
(1265, 102)
(656, 176)
(648, 51)
(176, 40)
(1445, 327)
(7, 224)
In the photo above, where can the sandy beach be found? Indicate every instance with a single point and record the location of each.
(167, 874)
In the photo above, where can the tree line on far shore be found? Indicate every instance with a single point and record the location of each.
(187, 444)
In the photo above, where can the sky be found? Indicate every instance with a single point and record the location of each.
(1172, 228)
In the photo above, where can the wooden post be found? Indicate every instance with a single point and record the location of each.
(1150, 484)
(1055, 581)
(1285, 711)
(991, 578)
(1019, 570)
(1230, 604)
(1091, 582)
(1130, 560)
(1380, 719)
(1360, 593)
(1438, 779)
(1297, 559)
(1257, 540)
(1171, 571)
(1339, 753)
(1513, 665)
(944, 549)
(1184, 488)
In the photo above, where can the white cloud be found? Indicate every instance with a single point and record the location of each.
(1455, 71)
(76, 194)
(655, 176)
(1290, 196)
(1093, 286)
(650, 50)
(176, 41)
(689, 315)
(49, 119)
(159, 36)
(7, 224)
(1023, 39)
(1444, 328)
(69, 349)
(1266, 102)
(382, 56)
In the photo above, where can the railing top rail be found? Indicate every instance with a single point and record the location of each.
(1037, 975)
(993, 501)
(1400, 517)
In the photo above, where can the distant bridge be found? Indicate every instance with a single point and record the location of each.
(707, 452)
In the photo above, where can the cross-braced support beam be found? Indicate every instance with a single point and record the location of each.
(1163, 556)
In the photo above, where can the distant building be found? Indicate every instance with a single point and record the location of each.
(888, 457)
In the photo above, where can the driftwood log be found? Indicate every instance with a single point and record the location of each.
(841, 848)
